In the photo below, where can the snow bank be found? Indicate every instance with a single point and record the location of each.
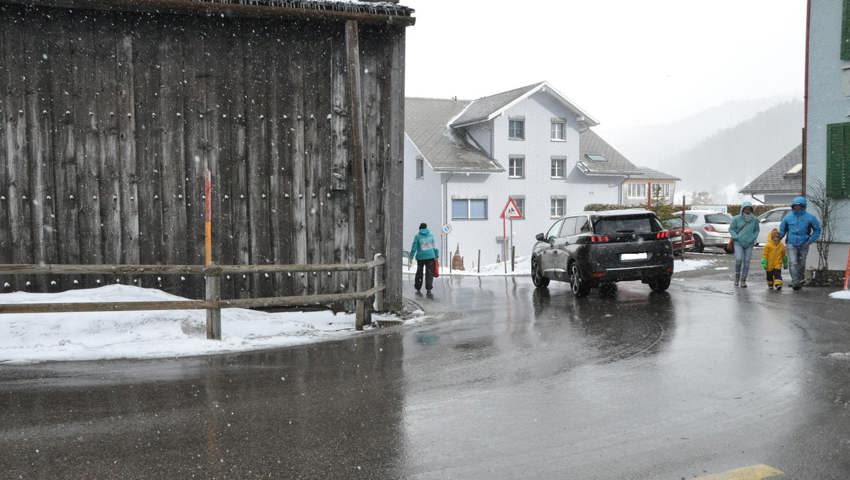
(26, 338)
(689, 265)
(842, 295)
(522, 267)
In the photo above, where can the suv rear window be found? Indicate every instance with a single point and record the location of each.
(630, 224)
(718, 219)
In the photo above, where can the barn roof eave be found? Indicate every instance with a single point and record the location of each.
(206, 7)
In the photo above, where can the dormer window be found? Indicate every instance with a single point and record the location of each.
(595, 157)
(516, 128)
(795, 170)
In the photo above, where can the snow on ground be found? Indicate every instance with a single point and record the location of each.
(522, 267)
(690, 264)
(36, 337)
(841, 295)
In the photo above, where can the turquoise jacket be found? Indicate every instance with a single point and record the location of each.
(423, 247)
(744, 232)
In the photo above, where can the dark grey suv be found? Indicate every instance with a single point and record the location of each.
(597, 249)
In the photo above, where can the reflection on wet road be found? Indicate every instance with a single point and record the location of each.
(504, 382)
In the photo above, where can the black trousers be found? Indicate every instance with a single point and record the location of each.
(428, 266)
(774, 277)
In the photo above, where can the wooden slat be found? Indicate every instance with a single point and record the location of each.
(102, 307)
(6, 245)
(324, 299)
(126, 101)
(102, 269)
(394, 174)
(299, 172)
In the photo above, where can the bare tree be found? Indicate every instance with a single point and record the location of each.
(829, 211)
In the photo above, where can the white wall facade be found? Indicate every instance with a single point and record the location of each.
(828, 102)
(422, 199)
(536, 187)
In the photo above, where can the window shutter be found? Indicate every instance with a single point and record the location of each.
(838, 160)
(845, 31)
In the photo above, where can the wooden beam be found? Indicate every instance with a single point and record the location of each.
(102, 307)
(352, 50)
(220, 8)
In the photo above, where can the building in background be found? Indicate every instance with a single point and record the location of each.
(827, 123)
(780, 183)
(465, 159)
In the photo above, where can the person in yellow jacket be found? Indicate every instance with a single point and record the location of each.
(774, 260)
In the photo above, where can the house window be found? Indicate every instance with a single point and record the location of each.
(516, 128)
(559, 167)
(559, 130)
(558, 207)
(637, 190)
(420, 168)
(838, 160)
(520, 204)
(469, 209)
(516, 167)
(661, 190)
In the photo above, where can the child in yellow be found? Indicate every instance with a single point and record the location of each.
(774, 260)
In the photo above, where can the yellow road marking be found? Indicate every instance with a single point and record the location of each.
(753, 472)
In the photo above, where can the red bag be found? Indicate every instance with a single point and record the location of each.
(436, 267)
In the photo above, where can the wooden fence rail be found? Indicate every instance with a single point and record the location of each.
(213, 303)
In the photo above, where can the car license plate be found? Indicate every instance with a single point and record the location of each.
(630, 257)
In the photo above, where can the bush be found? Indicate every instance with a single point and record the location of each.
(663, 210)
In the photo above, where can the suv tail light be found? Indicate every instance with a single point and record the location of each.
(599, 239)
(709, 228)
(662, 234)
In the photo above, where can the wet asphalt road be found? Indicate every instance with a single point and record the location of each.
(503, 382)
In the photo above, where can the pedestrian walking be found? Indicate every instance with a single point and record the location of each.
(800, 229)
(426, 254)
(744, 231)
(773, 260)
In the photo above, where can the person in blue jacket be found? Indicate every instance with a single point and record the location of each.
(801, 229)
(744, 231)
(426, 253)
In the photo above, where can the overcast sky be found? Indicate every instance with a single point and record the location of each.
(627, 62)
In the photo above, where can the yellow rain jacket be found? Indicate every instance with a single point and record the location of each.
(774, 253)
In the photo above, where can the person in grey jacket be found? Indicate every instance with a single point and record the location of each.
(744, 231)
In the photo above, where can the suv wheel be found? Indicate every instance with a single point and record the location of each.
(660, 284)
(577, 282)
(537, 276)
(698, 245)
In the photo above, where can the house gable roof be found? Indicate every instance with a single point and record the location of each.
(777, 178)
(487, 108)
(426, 124)
(599, 158)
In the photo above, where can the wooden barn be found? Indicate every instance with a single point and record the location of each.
(112, 109)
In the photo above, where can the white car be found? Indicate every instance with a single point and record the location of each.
(770, 220)
(711, 228)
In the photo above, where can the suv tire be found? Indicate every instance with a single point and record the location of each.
(537, 276)
(578, 283)
(660, 284)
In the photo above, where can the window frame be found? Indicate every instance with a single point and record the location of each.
(511, 159)
(468, 202)
(552, 210)
(563, 123)
(563, 161)
(420, 168)
(640, 187)
(511, 130)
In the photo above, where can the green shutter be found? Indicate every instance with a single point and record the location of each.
(845, 31)
(838, 160)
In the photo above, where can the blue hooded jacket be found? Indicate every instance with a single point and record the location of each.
(745, 230)
(801, 227)
(423, 247)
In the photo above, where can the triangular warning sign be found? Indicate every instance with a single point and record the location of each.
(511, 211)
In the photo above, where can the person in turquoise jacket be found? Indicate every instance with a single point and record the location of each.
(744, 231)
(426, 254)
(801, 229)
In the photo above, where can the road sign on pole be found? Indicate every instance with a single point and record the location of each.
(510, 212)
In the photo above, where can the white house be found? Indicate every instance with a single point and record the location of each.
(465, 159)
(828, 119)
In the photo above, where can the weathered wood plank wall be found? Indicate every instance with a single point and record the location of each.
(108, 120)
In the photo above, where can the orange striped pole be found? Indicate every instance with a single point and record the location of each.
(207, 218)
(847, 273)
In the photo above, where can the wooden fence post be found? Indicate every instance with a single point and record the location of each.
(379, 282)
(360, 303)
(212, 278)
